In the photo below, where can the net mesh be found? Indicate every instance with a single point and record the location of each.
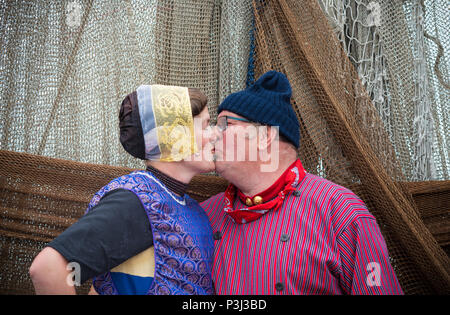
(370, 91)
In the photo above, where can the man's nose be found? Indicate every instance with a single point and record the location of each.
(215, 134)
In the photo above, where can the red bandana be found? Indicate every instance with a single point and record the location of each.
(275, 194)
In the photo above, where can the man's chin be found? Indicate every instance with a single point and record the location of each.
(207, 167)
(211, 166)
(222, 167)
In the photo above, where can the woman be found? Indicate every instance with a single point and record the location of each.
(141, 233)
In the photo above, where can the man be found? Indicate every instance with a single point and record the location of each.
(277, 228)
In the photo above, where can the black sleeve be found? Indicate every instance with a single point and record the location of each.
(116, 229)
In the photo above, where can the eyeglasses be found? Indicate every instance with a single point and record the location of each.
(222, 122)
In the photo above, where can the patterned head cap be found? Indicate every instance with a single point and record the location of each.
(156, 123)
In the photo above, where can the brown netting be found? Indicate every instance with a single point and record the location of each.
(62, 81)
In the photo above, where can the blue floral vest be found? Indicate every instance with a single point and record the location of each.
(182, 238)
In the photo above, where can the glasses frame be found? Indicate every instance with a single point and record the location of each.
(226, 121)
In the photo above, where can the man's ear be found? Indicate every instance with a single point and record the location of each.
(266, 136)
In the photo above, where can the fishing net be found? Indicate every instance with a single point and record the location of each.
(370, 87)
(397, 48)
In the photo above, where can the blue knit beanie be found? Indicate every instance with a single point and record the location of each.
(267, 101)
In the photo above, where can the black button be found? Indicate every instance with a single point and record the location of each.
(279, 286)
(297, 193)
(284, 237)
(217, 235)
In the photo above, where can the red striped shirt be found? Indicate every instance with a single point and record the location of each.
(323, 240)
